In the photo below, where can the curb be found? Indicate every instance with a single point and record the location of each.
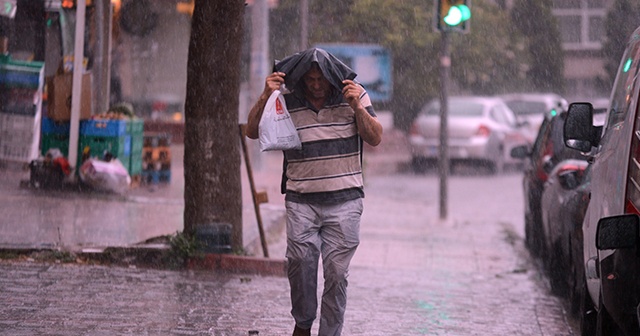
(229, 263)
(158, 256)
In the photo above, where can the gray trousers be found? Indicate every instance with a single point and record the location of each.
(333, 231)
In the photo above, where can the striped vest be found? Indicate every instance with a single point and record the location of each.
(328, 168)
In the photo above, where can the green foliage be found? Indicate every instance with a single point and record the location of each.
(488, 59)
(492, 58)
(622, 19)
(535, 19)
(183, 247)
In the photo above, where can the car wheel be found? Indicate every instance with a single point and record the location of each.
(497, 167)
(533, 235)
(419, 164)
(557, 271)
(588, 312)
(529, 236)
(577, 274)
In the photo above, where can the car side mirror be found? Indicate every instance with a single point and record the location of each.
(579, 132)
(617, 232)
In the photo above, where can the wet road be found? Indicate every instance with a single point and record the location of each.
(413, 274)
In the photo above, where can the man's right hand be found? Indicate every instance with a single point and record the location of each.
(273, 82)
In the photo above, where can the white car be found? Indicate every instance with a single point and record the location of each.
(531, 107)
(481, 129)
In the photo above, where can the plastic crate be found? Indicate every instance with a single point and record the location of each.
(119, 146)
(103, 128)
(53, 140)
(136, 127)
(156, 176)
(19, 137)
(152, 139)
(18, 74)
(50, 126)
(135, 165)
(18, 100)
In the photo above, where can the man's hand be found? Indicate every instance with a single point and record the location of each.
(273, 83)
(351, 93)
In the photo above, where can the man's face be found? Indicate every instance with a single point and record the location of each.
(318, 87)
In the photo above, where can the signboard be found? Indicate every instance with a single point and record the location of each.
(371, 62)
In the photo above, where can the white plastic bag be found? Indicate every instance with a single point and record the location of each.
(109, 176)
(276, 130)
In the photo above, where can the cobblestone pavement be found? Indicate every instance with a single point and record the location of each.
(413, 274)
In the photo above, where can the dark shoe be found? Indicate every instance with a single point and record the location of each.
(301, 332)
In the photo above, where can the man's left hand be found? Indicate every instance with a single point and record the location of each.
(351, 93)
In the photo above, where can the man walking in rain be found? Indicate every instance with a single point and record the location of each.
(322, 182)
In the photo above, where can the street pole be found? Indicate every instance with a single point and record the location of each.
(76, 86)
(259, 66)
(304, 24)
(445, 66)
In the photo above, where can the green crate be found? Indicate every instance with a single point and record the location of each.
(119, 146)
(52, 140)
(135, 127)
(135, 165)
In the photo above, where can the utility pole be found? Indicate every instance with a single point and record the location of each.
(450, 16)
(304, 24)
(259, 65)
(445, 66)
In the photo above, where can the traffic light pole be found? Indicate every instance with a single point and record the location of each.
(445, 66)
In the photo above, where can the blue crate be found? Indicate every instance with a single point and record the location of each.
(21, 74)
(156, 176)
(109, 128)
(50, 126)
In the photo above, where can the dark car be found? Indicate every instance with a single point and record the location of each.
(611, 227)
(564, 202)
(540, 158)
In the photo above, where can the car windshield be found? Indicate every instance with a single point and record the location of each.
(459, 108)
(527, 107)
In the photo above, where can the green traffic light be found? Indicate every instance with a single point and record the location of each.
(457, 14)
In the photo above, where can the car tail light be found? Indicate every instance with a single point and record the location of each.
(414, 129)
(483, 131)
(571, 167)
(632, 203)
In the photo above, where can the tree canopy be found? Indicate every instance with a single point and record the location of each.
(492, 58)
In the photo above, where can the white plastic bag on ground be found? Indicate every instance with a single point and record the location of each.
(276, 130)
(109, 176)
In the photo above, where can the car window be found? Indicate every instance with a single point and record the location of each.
(503, 115)
(522, 108)
(461, 108)
(542, 135)
(625, 79)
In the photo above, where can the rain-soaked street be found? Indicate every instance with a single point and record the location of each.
(413, 274)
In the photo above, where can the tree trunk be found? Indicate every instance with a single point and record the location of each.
(212, 191)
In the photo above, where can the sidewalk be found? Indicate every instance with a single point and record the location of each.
(413, 274)
(93, 222)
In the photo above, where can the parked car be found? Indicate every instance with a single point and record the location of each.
(532, 107)
(611, 246)
(480, 129)
(564, 201)
(539, 160)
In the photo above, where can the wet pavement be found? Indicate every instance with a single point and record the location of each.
(413, 274)
(77, 220)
